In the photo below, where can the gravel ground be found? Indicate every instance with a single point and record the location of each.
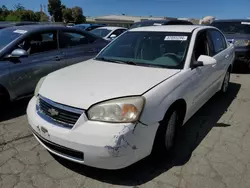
(213, 152)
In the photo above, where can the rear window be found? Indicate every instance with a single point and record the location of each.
(143, 24)
(233, 27)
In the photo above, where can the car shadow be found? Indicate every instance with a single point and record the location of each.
(192, 133)
(13, 109)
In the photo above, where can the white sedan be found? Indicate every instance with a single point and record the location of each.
(131, 99)
(108, 33)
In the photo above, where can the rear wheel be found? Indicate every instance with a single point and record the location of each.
(225, 84)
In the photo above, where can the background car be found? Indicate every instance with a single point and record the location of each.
(108, 33)
(160, 22)
(89, 27)
(11, 24)
(28, 53)
(237, 31)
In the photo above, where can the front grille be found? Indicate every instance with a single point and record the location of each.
(60, 114)
(61, 149)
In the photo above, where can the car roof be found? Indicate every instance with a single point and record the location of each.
(232, 20)
(89, 25)
(170, 28)
(111, 28)
(162, 21)
(35, 28)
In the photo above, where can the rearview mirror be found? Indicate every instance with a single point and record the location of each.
(18, 53)
(206, 60)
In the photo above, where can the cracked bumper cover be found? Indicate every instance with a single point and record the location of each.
(104, 145)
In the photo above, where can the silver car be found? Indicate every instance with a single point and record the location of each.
(28, 53)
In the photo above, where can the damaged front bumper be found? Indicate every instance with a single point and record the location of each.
(95, 144)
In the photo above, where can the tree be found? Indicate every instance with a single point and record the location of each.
(4, 12)
(43, 17)
(77, 15)
(67, 15)
(55, 9)
(19, 7)
(12, 18)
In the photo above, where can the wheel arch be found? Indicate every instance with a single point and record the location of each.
(180, 105)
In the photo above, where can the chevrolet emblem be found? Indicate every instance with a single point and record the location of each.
(53, 112)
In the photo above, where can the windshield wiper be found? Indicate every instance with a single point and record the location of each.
(131, 62)
(116, 61)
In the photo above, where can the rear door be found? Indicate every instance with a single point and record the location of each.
(220, 53)
(78, 46)
(44, 58)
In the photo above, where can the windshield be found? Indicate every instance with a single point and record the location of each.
(233, 27)
(7, 36)
(156, 49)
(101, 32)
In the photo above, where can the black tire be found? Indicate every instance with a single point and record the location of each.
(4, 97)
(226, 81)
(166, 134)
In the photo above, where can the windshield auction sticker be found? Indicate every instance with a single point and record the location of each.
(20, 31)
(179, 38)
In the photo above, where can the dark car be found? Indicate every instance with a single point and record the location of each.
(89, 27)
(160, 22)
(237, 31)
(30, 52)
(11, 24)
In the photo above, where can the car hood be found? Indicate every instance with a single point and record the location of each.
(86, 83)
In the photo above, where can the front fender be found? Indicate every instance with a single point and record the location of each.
(160, 98)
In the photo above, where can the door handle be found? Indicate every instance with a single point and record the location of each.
(227, 56)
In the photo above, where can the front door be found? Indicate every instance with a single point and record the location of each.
(202, 76)
(44, 58)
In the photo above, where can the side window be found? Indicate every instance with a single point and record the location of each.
(218, 40)
(118, 32)
(70, 39)
(91, 28)
(202, 45)
(40, 42)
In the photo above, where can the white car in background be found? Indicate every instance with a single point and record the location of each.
(108, 32)
(130, 101)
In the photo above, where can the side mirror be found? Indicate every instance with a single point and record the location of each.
(204, 60)
(18, 53)
(113, 36)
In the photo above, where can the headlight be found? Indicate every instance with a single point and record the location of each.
(123, 110)
(38, 86)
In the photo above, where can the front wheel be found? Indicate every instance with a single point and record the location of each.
(166, 134)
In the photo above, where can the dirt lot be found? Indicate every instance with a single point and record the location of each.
(213, 152)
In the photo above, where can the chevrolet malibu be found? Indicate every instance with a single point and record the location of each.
(130, 100)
